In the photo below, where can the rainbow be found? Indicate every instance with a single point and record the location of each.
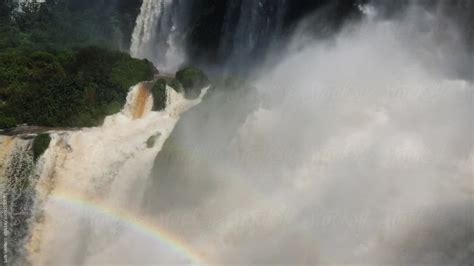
(135, 222)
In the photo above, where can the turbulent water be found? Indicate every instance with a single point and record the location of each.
(16, 194)
(81, 179)
(352, 150)
(359, 151)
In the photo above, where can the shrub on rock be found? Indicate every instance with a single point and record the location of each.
(176, 85)
(192, 80)
(40, 145)
(159, 95)
(7, 122)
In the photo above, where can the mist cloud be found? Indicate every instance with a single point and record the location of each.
(356, 149)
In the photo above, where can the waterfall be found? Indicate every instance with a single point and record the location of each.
(359, 152)
(160, 33)
(70, 192)
(250, 27)
(30, 1)
(355, 150)
(16, 193)
(21, 2)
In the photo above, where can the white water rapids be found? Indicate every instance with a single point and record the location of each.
(107, 166)
(360, 151)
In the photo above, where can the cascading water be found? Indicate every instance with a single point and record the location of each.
(356, 150)
(81, 179)
(250, 28)
(360, 151)
(16, 193)
(29, 1)
(160, 33)
(22, 2)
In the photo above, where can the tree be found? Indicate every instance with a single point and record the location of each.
(6, 8)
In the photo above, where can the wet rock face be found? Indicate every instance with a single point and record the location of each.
(302, 8)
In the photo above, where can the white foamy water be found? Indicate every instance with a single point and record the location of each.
(362, 155)
(86, 174)
(16, 163)
(160, 33)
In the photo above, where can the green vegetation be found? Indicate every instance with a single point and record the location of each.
(192, 81)
(150, 143)
(66, 88)
(40, 145)
(159, 95)
(57, 68)
(59, 24)
(7, 121)
(176, 85)
(52, 72)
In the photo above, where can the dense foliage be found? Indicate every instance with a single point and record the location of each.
(40, 145)
(192, 80)
(49, 73)
(158, 92)
(67, 24)
(67, 88)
